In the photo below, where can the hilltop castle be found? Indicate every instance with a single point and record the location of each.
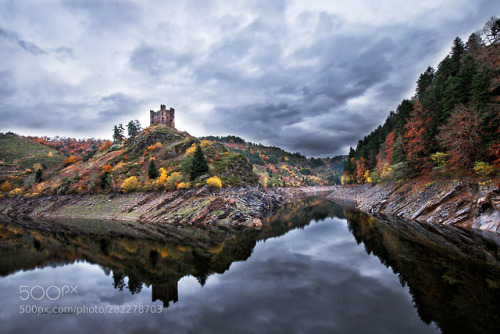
(163, 116)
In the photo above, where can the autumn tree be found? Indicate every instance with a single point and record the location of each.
(415, 138)
(199, 164)
(130, 184)
(361, 169)
(105, 145)
(6, 187)
(462, 135)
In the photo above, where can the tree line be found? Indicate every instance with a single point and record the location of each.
(451, 123)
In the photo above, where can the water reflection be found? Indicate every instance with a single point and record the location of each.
(453, 275)
(159, 262)
(306, 276)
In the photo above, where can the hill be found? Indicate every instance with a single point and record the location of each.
(278, 168)
(449, 128)
(21, 157)
(156, 158)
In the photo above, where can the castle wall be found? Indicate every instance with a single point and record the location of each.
(163, 116)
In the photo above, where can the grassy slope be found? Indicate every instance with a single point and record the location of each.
(18, 155)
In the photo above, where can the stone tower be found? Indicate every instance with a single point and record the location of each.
(163, 116)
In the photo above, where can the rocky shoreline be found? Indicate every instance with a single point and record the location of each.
(204, 207)
(461, 203)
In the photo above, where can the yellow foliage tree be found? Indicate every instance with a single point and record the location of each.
(367, 176)
(386, 172)
(130, 184)
(163, 176)
(6, 187)
(205, 143)
(190, 151)
(214, 182)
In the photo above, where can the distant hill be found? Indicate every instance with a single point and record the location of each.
(451, 125)
(20, 158)
(277, 167)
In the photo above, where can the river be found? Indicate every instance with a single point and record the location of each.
(315, 267)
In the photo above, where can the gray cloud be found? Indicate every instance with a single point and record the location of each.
(311, 78)
(26, 46)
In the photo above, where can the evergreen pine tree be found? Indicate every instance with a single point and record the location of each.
(199, 165)
(38, 175)
(152, 170)
(105, 179)
(118, 133)
(132, 129)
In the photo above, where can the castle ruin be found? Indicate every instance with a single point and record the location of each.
(163, 116)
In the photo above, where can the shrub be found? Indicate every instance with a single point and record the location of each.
(183, 185)
(483, 168)
(403, 171)
(6, 187)
(439, 158)
(214, 182)
(70, 160)
(130, 184)
(16, 192)
(173, 180)
(155, 146)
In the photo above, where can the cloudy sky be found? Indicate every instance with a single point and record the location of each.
(306, 75)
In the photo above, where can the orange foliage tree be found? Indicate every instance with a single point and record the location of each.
(6, 187)
(415, 138)
(462, 134)
(105, 145)
(361, 169)
(70, 160)
(106, 168)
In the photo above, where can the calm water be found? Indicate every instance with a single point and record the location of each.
(316, 267)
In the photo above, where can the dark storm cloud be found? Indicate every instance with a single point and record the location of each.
(347, 67)
(73, 117)
(311, 77)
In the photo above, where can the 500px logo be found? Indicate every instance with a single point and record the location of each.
(52, 292)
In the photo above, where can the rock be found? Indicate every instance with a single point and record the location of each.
(255, 223)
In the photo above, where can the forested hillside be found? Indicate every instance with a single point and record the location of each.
(449, 127)
(278, 168)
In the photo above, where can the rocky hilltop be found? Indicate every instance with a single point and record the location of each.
(454, 202)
